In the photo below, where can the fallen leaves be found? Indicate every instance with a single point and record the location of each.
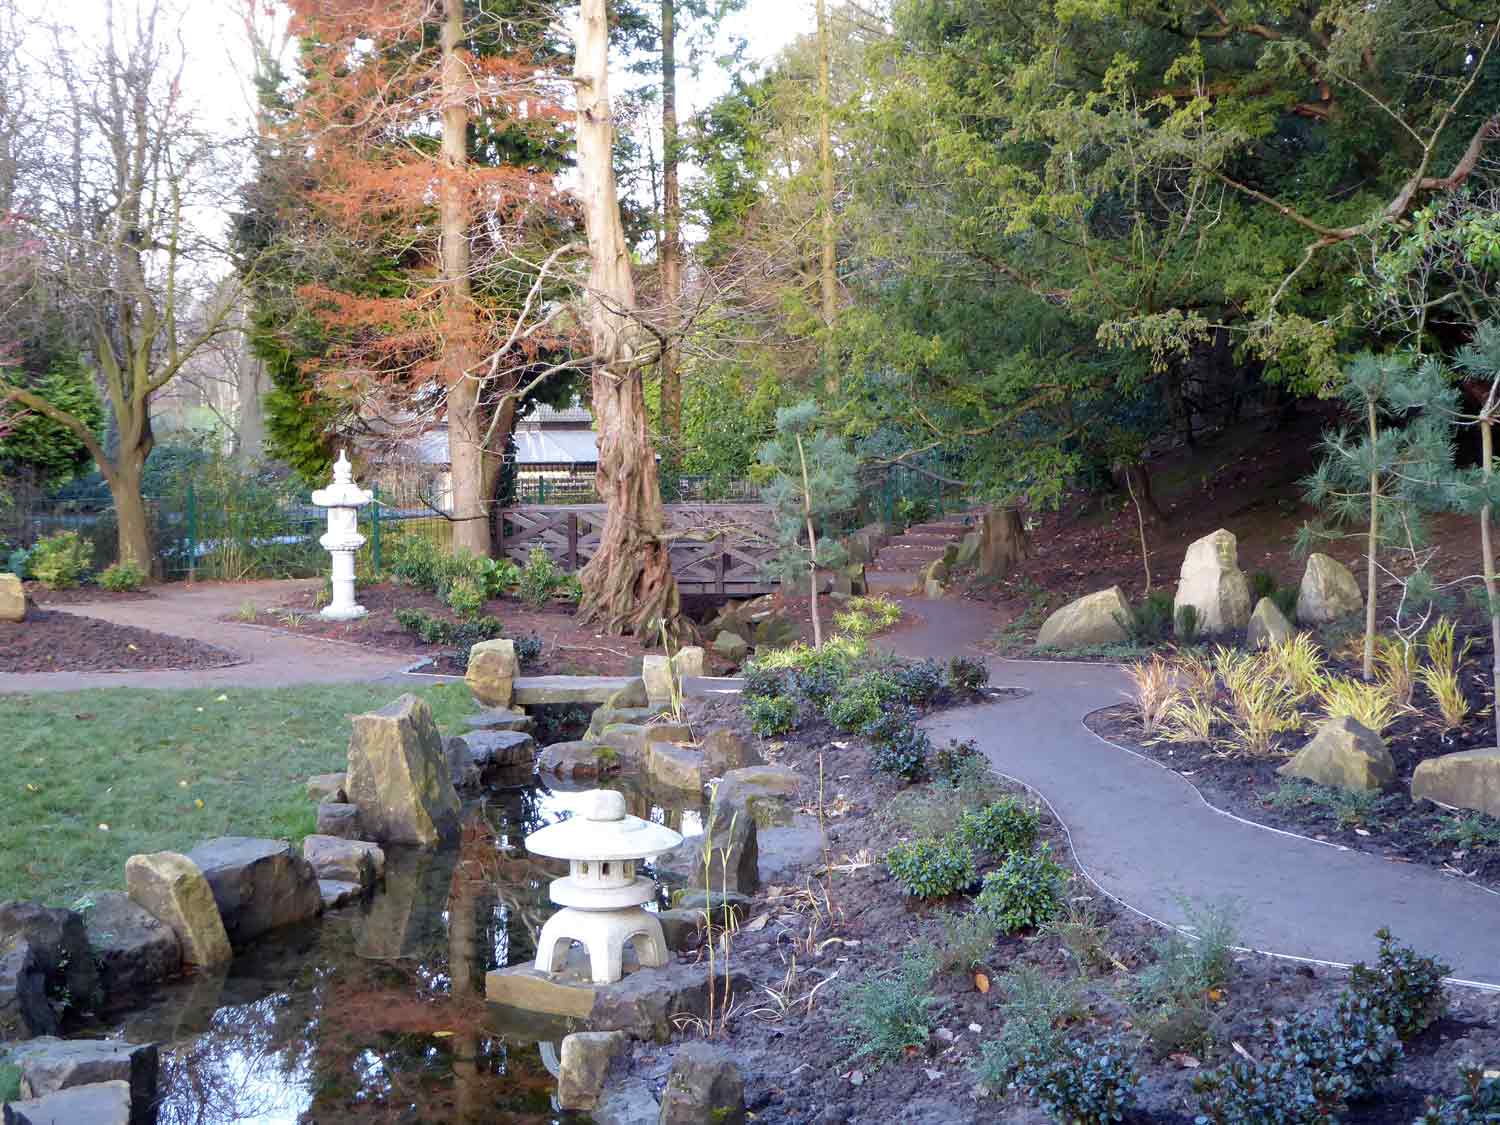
(982, 982)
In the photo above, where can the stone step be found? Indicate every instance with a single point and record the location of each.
(532, 691)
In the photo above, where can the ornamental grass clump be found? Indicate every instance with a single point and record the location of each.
(1298, 663)
(1441, 675)
(1153, 692)
(1371, 705)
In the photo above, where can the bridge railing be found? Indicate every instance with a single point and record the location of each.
(719, 548)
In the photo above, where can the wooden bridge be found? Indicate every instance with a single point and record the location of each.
(719, 549)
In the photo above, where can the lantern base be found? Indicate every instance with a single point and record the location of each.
(342, 612)
(604, 934)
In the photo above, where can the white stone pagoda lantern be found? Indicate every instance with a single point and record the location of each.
(601, 895)
(343, 499)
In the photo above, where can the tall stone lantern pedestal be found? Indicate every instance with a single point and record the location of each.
(343, 499)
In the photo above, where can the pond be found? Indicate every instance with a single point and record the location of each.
(377, 1012)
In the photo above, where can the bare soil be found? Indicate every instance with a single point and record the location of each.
(81, 595)
(53, 641)
(798, 1065)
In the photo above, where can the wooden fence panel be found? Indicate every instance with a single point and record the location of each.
(717, 549)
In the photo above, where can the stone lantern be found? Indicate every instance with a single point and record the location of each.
(343, 499)
(601, 895)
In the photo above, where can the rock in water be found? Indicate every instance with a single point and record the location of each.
(259, 885)
(134, 948)
(491, 672)
(1343, 754)
(1469, 779)
(703, 1085)
(584, 1063)
(1328, 592)
(398, 776)
(99, 1103)
(49, 1065)
(61, 943)
(12, 598)
(1268, 626)
(347, 861)
(1214, 585)
(170, 887)
(1096, 619)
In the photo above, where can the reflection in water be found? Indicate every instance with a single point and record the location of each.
(377, 1013)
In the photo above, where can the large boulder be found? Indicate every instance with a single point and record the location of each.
(49, 1065)
(767, 794)
(399, 778)
(492, 749)
(723, 750)
(259, 885)
(1095, 619)
(61, 943)
(1469, 779)
(1214, 585)
(704, 1084)
(134, 948)
(24, 1008)
(577, 760)
(12, 598)
(338, 820)
(1345, 755)
(731, 646)
(1268, 626)
(630, 740)
(1328, 592)
(492, 670)
(584, 1063)
(347, 861)
(99, 1103)
(734, 857)
(170, 887)
(688, 661)
(675, 767)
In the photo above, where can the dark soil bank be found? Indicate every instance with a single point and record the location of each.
(53, 641)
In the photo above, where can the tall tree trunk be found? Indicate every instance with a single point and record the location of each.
(1487, 547)
(1371, 546)
(829, 282)
(466, 424)
(628, 585)
(671, 221)
(133, 527)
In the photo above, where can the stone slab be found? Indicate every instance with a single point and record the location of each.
(499, 719)
(49, 1065)
(337, 893)
(531, 691)
(134, 948)
(102, 1103)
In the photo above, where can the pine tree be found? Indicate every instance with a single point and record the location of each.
(814, 484)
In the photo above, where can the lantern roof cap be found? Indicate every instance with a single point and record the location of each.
(602, 831)
(343, 492)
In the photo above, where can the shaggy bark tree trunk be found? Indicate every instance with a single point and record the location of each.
(671, 221)
(628, 585)
(1487, 547)
(1003, 544)
(466, 424)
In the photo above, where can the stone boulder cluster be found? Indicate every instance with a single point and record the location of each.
(1214, 592)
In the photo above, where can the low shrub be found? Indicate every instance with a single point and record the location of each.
(1404, 989)
(1350, 808)
(497, 577)
(18, 562)
(465, 596)
(121, 577)
(851, 705)
(1151, 622)
(1025, 892)
(958, 762)
(60, 560)
(967, 676)
(1188, 625)
(884, 1015)
(771, 715)
(528, 649)
(1479, 1102)
(760, 681)
(1033, 1009)
(438, 631)
(1002, 828)
(540, 579)
(929, 868)
(1079, 1081)
(417, 561)
(1189, 966)
(899, 747)
(918, 682)
(1475, 830)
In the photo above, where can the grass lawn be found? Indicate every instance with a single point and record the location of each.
(93, 777)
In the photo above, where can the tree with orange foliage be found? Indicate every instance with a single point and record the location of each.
(432, 132)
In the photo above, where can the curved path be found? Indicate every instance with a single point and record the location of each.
(1146, 837)
(268, 657)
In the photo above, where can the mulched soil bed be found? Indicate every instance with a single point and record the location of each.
(1392, 825)
(52, 641)
(80, 595)
(798, 1068)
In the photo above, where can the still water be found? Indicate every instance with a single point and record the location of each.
(376, 1013)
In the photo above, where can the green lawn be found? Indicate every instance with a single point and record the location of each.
(93, 777)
